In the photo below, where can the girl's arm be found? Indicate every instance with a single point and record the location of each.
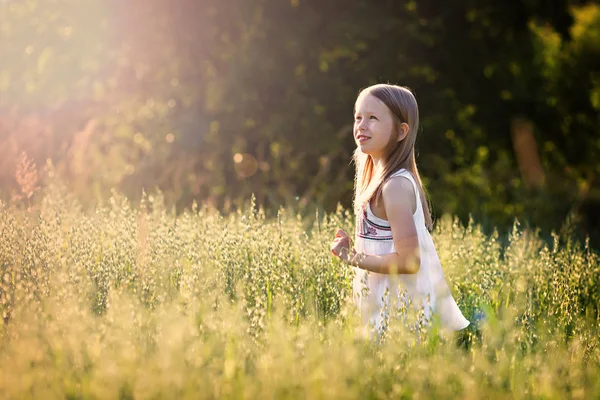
(399, 201)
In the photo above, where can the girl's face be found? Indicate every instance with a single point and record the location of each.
(373, 126)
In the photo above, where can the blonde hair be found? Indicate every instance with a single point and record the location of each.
(403, 106)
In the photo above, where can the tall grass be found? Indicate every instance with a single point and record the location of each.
(127, 302)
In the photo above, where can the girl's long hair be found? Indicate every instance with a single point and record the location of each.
(403, 106)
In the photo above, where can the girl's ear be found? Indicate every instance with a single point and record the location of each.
(403, 131)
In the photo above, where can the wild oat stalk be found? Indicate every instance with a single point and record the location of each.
(137, 302)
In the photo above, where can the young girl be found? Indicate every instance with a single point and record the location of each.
(392, 242)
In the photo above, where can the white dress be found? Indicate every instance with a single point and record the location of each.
(426, 288)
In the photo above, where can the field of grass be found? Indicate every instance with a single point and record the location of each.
(137, 302)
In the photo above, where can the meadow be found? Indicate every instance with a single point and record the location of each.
(126, 302)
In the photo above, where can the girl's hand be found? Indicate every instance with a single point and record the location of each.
(341, 245)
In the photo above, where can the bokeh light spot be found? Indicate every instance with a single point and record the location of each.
(264, 166)
(246, 165)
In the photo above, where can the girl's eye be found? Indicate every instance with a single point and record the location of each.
(357, 118)
(373, 117)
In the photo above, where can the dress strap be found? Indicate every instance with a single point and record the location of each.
(407, 174)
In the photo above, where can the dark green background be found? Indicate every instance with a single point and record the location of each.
(156, 93)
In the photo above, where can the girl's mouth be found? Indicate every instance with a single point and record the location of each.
(362, 139)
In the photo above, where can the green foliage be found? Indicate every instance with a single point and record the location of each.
(216, 100)
(141, 302)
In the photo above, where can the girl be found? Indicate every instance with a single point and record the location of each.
(392, 241)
